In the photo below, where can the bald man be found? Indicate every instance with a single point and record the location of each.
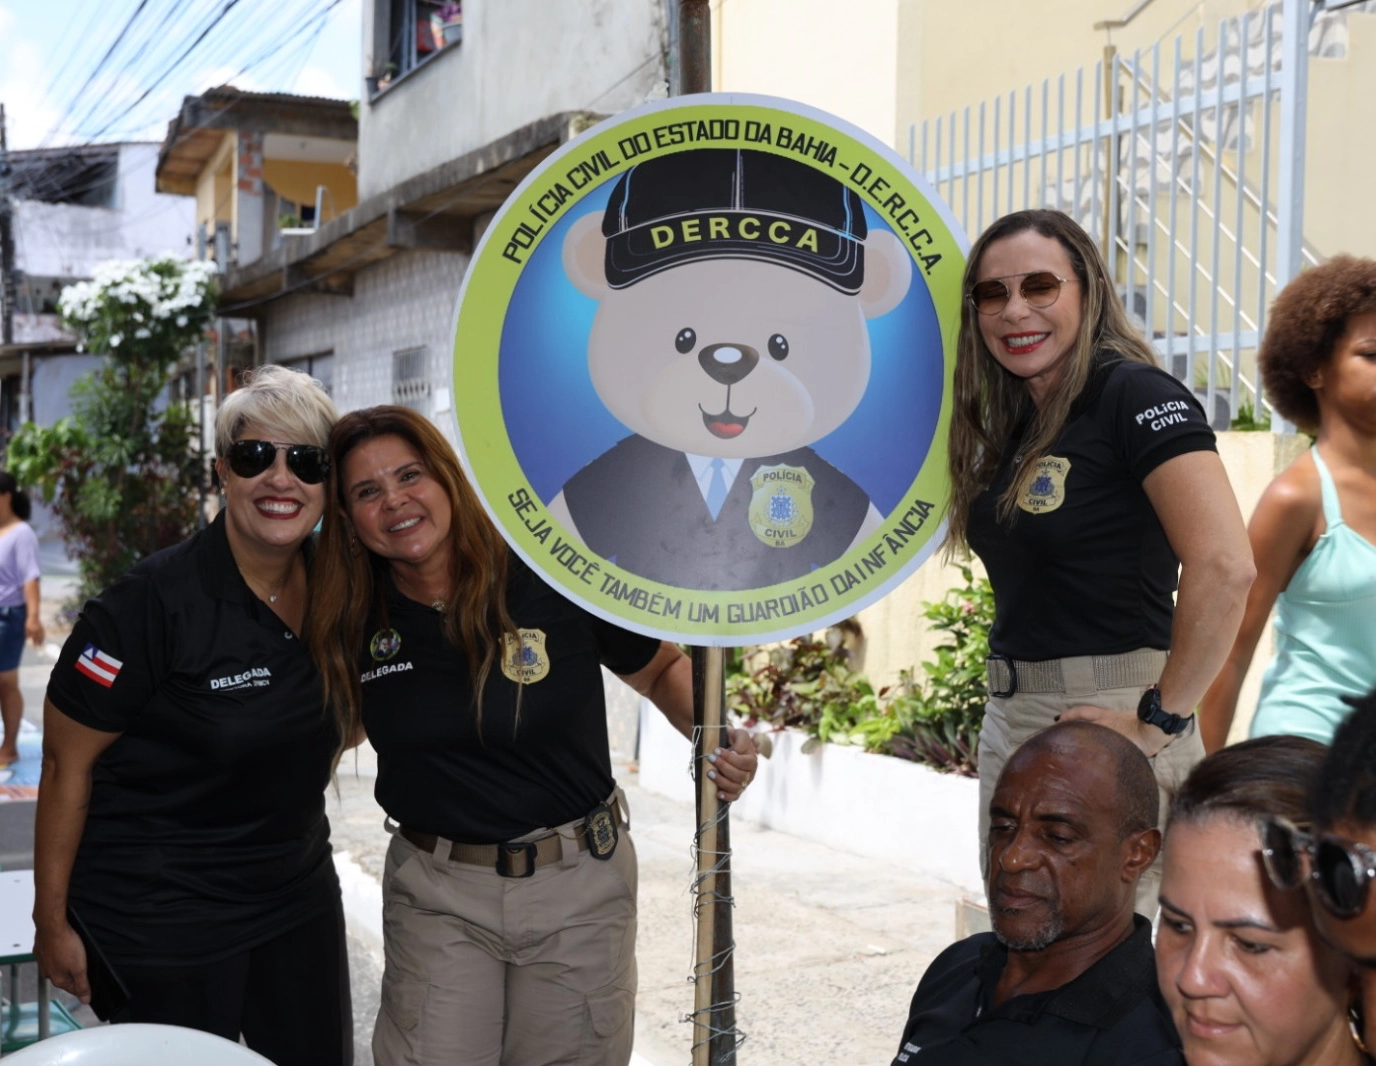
(1067, 977)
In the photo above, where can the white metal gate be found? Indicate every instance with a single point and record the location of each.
(1186, 160)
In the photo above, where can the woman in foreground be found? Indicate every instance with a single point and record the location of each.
(1246, 975)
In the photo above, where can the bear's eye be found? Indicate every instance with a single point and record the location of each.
(778, 347)
(685, 340)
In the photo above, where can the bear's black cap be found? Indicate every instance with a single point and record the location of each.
(734, 203)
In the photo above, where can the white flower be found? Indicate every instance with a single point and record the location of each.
(116, 340)
(142, 333)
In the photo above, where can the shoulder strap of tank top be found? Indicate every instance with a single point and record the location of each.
(1332, 510)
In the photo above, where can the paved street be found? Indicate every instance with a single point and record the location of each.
(830, 945)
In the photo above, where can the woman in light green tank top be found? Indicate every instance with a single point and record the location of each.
(1314, 530)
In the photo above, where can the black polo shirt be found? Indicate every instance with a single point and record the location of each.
(206, 832)
(1112, 1014)
(439, 772)
(1083, 567)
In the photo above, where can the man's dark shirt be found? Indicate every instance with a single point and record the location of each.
(1112, 1013)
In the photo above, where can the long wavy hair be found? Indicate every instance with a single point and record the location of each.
(349, 583)
(989, 402)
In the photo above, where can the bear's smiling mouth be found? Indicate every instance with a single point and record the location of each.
(726, 425)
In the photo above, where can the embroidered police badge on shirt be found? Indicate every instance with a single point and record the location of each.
(1044, 490)
(781, 505)
(385, 644)
(525, 661)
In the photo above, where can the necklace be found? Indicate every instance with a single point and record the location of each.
(265, 592)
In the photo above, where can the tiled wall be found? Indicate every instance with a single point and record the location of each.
(404, 302)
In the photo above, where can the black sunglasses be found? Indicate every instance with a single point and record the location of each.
(249, 458)
(1337, 871)
(1038, 290)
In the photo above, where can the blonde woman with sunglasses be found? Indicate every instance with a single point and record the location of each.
(186, 751)
(1085, 478)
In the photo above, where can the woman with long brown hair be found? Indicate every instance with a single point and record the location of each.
(1084, 477)
(509, 887)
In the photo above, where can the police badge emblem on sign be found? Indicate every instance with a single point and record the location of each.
(525, 660)
(1044, 490)
(781, 505)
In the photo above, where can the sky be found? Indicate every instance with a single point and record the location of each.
(47, 50)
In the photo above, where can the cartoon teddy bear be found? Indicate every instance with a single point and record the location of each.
(734, 289)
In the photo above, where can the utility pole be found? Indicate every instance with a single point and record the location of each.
(8, 291)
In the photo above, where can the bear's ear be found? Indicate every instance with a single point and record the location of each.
(888, 272)
(585, 256)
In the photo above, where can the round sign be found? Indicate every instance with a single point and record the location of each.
(702, 369)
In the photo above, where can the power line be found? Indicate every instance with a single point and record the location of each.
(105, 58)
(229, 6)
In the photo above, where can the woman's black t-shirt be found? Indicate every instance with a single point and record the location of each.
(440, 771)
(206, 833)
(1084, 567)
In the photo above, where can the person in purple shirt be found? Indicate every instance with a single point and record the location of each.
(19, 617)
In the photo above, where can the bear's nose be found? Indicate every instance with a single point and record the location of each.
(728, 363)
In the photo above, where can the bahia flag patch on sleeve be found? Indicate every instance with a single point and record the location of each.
(99, 666)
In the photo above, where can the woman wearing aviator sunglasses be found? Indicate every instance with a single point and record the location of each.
(1084, 477)
(186, 750)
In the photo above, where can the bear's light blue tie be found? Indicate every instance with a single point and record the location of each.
(716, 489)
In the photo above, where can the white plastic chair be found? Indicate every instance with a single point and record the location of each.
(136, 1044)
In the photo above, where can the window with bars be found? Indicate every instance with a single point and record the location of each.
(410, 378)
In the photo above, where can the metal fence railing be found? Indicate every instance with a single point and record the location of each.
(1186, 159)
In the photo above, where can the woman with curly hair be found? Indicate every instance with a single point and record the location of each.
(1087, 481)
(1313, 530)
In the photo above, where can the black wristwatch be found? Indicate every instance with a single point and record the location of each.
(1149, 710)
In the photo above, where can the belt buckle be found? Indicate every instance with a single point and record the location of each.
(509, 853)
(1012, 676)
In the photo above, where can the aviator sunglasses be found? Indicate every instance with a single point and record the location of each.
(249, 458)
(1038, 290)
(1337, 871)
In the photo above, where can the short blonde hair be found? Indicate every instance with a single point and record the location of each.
(275, 397)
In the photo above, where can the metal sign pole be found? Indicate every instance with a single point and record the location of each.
(714, 991)
(714, 994)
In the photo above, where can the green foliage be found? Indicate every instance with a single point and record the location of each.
(941, 719)
(808, 684)
(791, 685)
(120, 475)
(1247, 421)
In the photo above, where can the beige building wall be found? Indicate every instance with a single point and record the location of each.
(841, 58)
(215, 186)
(296, 181)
